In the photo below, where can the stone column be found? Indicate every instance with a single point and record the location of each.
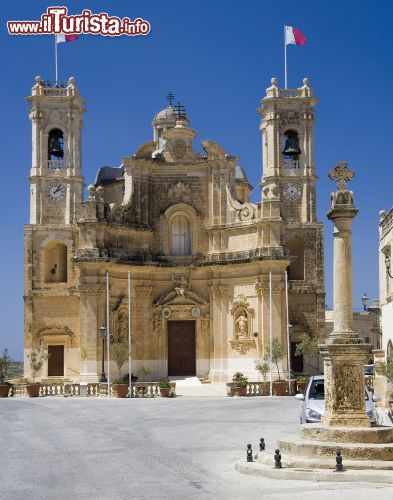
(344, 354)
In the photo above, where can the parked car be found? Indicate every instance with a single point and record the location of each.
(313, 406)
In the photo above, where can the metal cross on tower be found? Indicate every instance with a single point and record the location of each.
(342, 174)
(180, 110)
(170, 98)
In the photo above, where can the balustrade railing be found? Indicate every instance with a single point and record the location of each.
(253, 388)
(138, 390)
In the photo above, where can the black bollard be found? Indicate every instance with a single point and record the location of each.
(339, 461)
(261, 444)
(277, 459)
(249, 453)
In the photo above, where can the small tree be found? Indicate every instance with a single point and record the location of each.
(262, 365)
(37, 360)
(307, 347)
(144, 371)
(120, 356)
(277, 354)
(5, 363)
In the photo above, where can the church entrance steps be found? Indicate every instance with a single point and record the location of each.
(192, 387)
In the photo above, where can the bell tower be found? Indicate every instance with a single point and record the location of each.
(56, 182)
(287, 128)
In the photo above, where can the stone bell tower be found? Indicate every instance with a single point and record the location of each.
(288, 150)
(56, 182)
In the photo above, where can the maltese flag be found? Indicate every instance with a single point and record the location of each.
(66, 38)
(294, 36)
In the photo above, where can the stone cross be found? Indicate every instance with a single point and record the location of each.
(344, 354)
(341, 173)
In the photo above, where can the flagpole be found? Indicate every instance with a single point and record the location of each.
(56, 59)
(270, 332)
(129, 334)
(288, 339)
(285, 56)
(108, 334)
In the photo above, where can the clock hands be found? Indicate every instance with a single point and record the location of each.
(58, 189)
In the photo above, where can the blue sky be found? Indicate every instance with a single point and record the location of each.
(218, 58)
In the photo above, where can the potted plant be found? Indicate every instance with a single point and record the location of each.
(280, 386)
(5, 362)
(120, 356)
(37, 359)
(262, 365)
(165, 386)
(240, 381)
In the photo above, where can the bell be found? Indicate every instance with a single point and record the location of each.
(55, 148)
(291, 147)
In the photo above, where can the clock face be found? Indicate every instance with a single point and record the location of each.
(56, 191)
(292, 192)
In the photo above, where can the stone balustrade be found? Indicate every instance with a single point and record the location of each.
(253, 388)
(138, 390)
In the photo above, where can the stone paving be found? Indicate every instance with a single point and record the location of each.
(81, 448)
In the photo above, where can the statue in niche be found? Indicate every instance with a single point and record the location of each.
(122, 326)
(242, 326)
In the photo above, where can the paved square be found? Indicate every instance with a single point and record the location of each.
(182, 448)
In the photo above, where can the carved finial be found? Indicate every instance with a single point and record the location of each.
(382, 214)
(100, 193)
(38, 80)
(274, 82)
(305, 82)
(342, 174)
(71, 80)
(92, 192)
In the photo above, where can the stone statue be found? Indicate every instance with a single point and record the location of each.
(122, 326)
(242, 327)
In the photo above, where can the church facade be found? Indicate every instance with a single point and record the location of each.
(207, 266)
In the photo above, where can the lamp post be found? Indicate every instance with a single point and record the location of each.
(365, 301)
(388, 265)
(103, 337)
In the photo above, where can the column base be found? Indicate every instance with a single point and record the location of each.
(346, 420)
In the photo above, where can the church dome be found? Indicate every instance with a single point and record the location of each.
(166, 114)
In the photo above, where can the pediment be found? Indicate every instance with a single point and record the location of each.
(54, 330)
(179, 296)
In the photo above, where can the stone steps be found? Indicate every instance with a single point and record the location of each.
(325, 449)
(267, 458)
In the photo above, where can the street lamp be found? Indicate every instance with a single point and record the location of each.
(103, 337)
(365, 301)
(388, 264)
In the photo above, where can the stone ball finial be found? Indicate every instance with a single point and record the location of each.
(305, 82)
(274, 82)
(71, 80)
(92, 191)
(38, 80)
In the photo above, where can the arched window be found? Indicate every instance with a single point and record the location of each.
(296, 268)
(55, 263)
(180, 236)
(55, 146)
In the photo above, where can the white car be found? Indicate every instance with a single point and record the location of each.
(313, 406)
